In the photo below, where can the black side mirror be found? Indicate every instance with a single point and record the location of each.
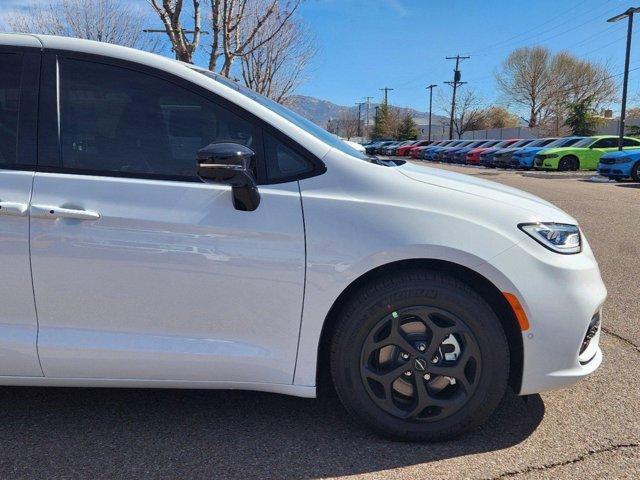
(231, 164)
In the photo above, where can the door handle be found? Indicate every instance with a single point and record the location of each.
(44, 211)
(15, 209)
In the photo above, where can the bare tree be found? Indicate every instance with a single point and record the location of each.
(546, 83)
(169, 12)
(275, 68)
(235, 27)
(526, 79)
(348, 124)
(468, 114)
(111, 21)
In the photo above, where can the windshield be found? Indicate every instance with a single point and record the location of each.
(298, 120)
(521, 143)
(564, 142)
(585, 142)
(540, 143)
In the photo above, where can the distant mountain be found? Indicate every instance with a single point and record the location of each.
(320, 111)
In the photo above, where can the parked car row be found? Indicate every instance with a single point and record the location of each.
(564, 154)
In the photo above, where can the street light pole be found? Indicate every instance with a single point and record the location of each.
(430, 88)
(629, 15)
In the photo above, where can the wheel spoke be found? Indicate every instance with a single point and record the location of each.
(386, 378)
(424, 399)
(397, 338)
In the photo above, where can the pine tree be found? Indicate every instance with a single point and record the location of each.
(408, 128)
(382, 123)
(582, 118)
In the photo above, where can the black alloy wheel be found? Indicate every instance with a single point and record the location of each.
(420, 363)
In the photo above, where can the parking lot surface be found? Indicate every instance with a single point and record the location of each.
(589, 431)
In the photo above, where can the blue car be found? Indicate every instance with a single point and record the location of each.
(459, 155)
(620, 165)
(444, 155)
(427, 150)
(502, 158)
(431, 154)
(523, 158)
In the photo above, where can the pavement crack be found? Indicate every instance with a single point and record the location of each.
(578, 459)
(620, 337)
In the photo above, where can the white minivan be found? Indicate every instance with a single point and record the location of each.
(161, 226)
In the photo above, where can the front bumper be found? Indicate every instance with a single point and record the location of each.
(503, 161)
(561, 294)
(521, 162)
(545, 163)
(617, 171)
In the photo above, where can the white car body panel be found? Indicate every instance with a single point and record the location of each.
(18, 322)
(173, 287)
(162, 285)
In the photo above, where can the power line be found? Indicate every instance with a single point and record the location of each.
(530, 39)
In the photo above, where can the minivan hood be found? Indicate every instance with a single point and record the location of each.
(471, 185)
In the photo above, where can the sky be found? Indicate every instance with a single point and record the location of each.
(364, 45)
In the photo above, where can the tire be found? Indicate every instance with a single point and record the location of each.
(567, 163)
(635, 172)
(396, 310)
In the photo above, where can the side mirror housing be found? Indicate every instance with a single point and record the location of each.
(231, 164)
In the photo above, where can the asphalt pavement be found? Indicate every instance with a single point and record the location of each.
(589, 431)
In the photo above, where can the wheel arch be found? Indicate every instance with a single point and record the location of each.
(487, 290)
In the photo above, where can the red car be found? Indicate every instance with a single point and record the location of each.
(415, 152)
(473, 157)
(406, 150)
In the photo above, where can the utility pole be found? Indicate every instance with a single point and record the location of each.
(368, 102)
(628, 14)
(454, 84)
(430, 88)
(359, 118)
(386, 91)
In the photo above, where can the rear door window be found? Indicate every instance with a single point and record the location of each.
(10, 72)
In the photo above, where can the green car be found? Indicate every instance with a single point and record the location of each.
(582, 155)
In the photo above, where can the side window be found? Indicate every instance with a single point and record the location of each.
(11, 67)
(115, 119)
(606, 143)
(630, 142)
(283, 163)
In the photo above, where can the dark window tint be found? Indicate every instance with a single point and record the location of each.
(10, 69)
(629, 142)
(283, 163)
(606, 143)
(119, 120)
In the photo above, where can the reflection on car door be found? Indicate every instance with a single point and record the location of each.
(18, 104)
(140, 270)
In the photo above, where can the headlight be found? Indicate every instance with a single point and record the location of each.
(559, 237)
(619, 160)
